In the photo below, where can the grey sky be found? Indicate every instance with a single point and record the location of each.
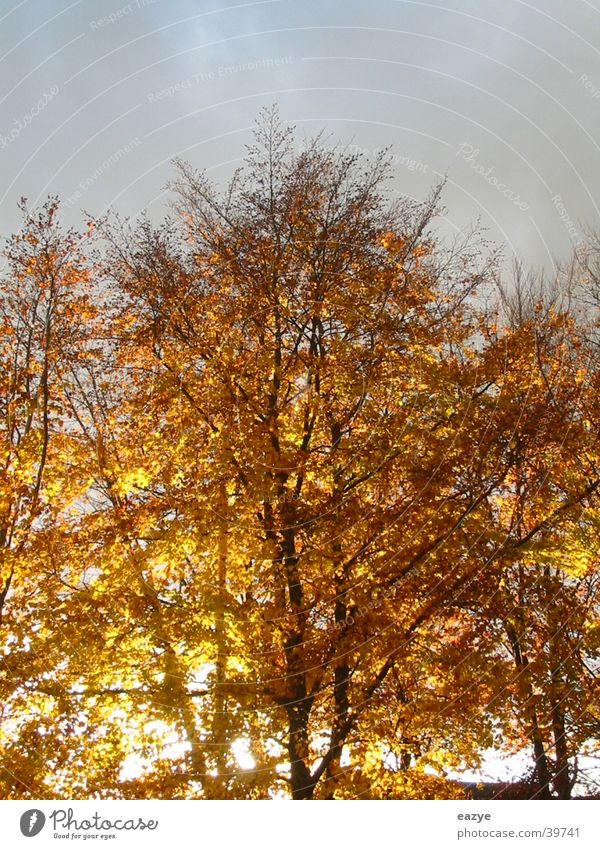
(97, 96)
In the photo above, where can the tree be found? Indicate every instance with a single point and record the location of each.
(315, 351)
(44, 305)
(310, 496)
(544, 596)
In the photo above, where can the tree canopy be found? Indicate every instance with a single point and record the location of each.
(295, 499)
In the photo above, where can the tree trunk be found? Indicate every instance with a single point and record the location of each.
(219, 719)
(563, 783)
(302, 783)
(542, 769)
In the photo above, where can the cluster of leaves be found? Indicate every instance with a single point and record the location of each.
(276, 477)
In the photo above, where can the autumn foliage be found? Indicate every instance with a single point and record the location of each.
(291, 503)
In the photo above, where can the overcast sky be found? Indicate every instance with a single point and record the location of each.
(98, 96)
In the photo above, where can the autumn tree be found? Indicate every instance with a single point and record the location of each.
(543, 597)
(309, 499)
(306, 352)
(44, 308)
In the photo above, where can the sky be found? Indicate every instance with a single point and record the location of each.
(502, 97)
